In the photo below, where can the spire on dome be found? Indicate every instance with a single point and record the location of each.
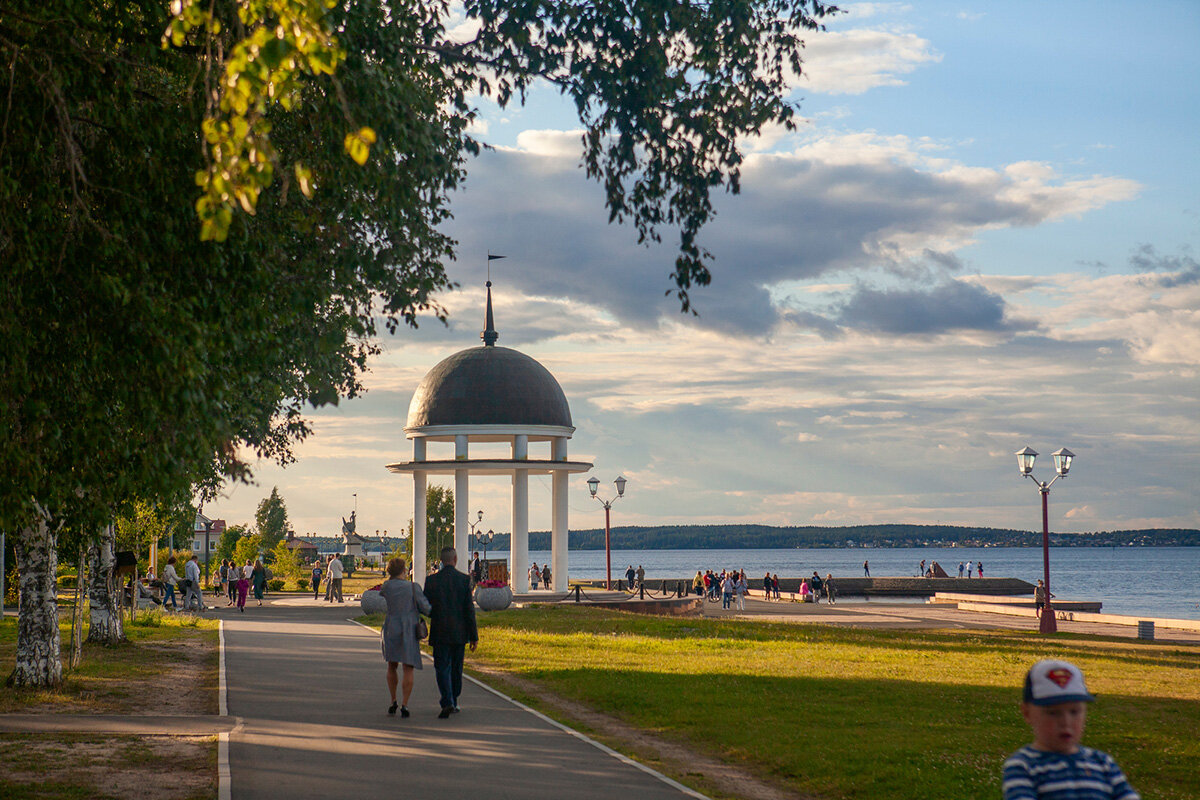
(489, 334)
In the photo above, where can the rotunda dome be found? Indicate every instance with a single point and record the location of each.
(489, 385)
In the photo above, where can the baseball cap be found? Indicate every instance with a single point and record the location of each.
(1050, 682)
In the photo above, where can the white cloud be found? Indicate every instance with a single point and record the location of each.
(856, 61)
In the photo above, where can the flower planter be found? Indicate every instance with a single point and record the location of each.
(372, 602)
(493, 598)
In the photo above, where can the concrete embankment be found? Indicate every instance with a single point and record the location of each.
(868, 587)
(1065, 613)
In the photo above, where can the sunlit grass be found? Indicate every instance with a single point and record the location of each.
(855, 713)
(106, 680)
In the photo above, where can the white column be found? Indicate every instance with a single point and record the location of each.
(462, 504)
(419, 519)
(520, 447)
(558, 534)
(519, 547)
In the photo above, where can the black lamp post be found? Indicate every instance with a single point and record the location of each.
(486, 539)
(594, 484)
(472, 526)
(1062, 465)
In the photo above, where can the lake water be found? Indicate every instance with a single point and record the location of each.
(1138, 581)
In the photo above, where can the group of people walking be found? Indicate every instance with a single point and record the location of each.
(814, 588)
(539, 575)
(236, 582)
(334, 573)
(232, 581)
(446, 600)
(729, 585)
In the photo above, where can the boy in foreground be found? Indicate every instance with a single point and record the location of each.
(1056, 766)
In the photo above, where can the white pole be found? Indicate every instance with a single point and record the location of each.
(558, 541)
(419, 527)
(462, 503)
(519, 543)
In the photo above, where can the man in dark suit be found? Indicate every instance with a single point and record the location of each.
(451, 629)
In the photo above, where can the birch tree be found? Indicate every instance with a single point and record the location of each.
(201, 240)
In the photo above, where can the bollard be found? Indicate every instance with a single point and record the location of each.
(1146, 629)
(642, 590)
(577, 589)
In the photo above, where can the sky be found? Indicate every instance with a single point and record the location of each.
(983, 235)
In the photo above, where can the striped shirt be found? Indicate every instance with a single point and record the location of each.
(1032, 774)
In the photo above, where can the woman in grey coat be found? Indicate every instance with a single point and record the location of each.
(399, 635)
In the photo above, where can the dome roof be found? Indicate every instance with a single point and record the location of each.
(489, 385)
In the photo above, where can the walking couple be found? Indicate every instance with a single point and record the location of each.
(446, 599)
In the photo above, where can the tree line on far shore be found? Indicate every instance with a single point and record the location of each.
(726, 537)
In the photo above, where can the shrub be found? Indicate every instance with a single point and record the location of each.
(275, 585)
(66, 581)
(149, 618)
(303, 584)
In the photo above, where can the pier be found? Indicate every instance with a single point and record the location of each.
(860, 587)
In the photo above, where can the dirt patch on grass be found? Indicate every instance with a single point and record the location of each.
(672, 758)
(161, 671)
(175, 673)
(68, 766)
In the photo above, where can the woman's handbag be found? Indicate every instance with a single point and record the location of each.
(422, 627)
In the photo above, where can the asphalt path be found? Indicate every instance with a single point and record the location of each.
(308, 687)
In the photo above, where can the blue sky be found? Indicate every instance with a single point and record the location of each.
(983, 236)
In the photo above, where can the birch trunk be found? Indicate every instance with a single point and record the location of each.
(106, 624)
(39, 656)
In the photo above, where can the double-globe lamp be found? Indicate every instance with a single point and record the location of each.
(1062, 465)
(594, 484)
(472, 526)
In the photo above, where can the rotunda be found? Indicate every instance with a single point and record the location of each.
(492, 394)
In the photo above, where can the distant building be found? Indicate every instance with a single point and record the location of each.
(206, 535)
(306, 550)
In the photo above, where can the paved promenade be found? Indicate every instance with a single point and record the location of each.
(308, 687)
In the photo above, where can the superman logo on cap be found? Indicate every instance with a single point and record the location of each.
(1060, 676)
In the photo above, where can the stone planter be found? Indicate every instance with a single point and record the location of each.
(493, 598)
(372, 602)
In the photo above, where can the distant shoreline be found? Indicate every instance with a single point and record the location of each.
(867, 537)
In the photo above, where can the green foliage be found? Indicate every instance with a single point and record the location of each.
(248, 549)
(280, 44)
(439, 522)
(141, 360)
(287, 562)
(664, 91)
(227, 544)
(276, 584)
(303, 584)
(141, 524)
(181, 558)
(271, 520)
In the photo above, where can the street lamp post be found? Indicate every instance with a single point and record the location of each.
(472, 525)
(594, 484)
(486, 539)
(1062, 465)
(383, 542)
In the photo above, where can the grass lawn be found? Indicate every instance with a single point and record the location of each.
(167, 666)
(122, 679)
(855, 713)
